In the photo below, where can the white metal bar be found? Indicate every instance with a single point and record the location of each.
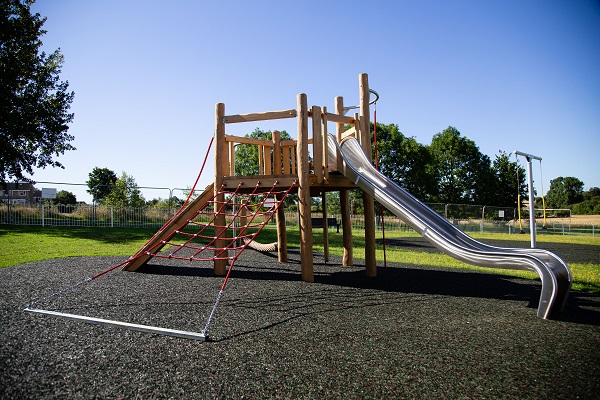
(527, 155)
(126, 325)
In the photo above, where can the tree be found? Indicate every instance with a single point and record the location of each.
(172, 202)
(34, 102)
(564, 192)
(590, 203)
(510, 181)
(125, 193)
(100, 183)
(463, 173)
(65, 197)
(405, 161)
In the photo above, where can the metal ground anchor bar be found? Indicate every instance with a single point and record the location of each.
(126, 325)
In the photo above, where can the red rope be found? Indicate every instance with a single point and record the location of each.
(231, 242)
(185, 203)
(272, 212)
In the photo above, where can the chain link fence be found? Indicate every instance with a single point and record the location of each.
(468, 218)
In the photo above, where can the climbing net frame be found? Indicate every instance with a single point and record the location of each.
(196, 239)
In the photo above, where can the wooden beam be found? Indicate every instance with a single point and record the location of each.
(306, 256)
(259, 116)
(347, 258)
(324, 146)
(368, 202)
(231, 158)
(317, 144)
(277, 152)
(245, 140)
(335, 182)
(221, 169)
(340, 119)
(289, 142)
(248, 183)
(325, 227)
(282, 255)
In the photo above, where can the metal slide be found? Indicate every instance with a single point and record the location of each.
(552, 270)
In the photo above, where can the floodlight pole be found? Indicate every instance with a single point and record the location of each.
(529, 157)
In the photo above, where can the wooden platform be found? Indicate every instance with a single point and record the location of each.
(335, 182)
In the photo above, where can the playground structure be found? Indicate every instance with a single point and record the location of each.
(344, 162)
(284, 164)
(238, 207)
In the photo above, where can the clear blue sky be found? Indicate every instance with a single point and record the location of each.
(146, 74)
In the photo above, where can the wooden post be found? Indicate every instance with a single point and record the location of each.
(276, 152)
(368, 202)
(325, 227)
(231, 158)
(317, 143)
(306, 240)
(347, 258)
(221, 168)
(282, 255)
(324, 145)
(280, 216)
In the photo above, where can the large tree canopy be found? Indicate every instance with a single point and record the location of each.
(463, 173)
(404, 160)
(34, 102)
(125, 193)
(510, 181)
(100, 183)
(564, 192)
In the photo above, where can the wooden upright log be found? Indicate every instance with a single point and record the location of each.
(306, 239)
(277, 153)
(368, 202)
(347, 258)
(317, 143)
(325, 227)
(280, 216)
(282, 254)
(324, 145)
(221, 168)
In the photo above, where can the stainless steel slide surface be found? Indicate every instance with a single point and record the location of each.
(552, 270)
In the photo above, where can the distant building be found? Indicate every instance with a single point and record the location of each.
(20, 193)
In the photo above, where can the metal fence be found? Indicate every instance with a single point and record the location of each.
(468, 218)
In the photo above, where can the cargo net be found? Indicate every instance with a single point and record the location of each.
(222, 230)
(204, 236)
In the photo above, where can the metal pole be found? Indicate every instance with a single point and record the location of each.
(531, 199)
(482, 218)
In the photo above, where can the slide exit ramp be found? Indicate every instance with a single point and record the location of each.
(552, 270)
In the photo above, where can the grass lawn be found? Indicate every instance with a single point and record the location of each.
(21, 244)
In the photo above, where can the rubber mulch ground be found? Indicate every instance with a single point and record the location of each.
(414, 332)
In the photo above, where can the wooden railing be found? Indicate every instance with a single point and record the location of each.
(278, 156)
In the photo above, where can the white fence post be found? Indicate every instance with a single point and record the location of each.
(43, 214)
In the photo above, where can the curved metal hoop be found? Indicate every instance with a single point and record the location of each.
(370, 102)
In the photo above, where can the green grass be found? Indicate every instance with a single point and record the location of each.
(21, 244)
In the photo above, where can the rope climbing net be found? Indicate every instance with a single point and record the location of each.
(201, 236)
